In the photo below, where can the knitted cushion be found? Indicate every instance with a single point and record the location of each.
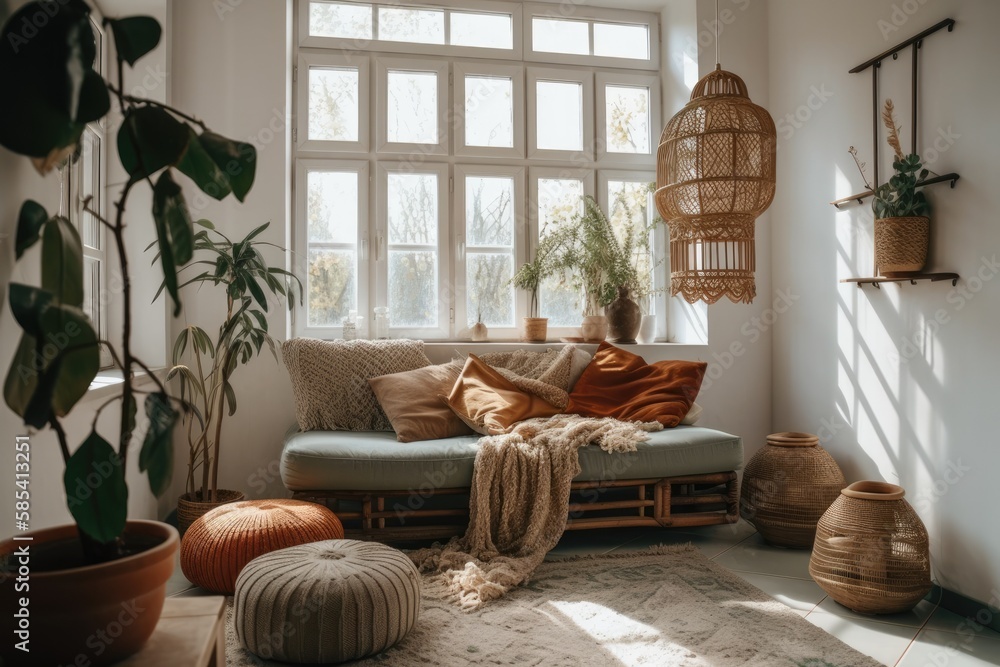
(217, 546)
(326, 601)
(330, 380)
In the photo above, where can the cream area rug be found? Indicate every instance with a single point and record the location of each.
(663, 606)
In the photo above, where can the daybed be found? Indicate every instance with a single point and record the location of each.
(347, 451)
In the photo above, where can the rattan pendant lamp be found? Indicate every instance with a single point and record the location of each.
(715, 174)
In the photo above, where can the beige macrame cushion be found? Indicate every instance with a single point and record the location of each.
(330, 380)
(326, 602)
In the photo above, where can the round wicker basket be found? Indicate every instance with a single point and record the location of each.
(787, 486)
(871, 553)
(189, 510)
(901, 244)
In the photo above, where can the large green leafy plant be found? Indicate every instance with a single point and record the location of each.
(205, 366)
(51, 91)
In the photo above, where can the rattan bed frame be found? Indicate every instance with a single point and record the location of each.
(669, 502)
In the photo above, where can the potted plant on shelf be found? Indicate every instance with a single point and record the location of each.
(82, 576)
(902, 222)
(240, 268)
(604, 268)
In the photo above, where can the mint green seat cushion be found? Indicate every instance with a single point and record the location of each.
(375, 461)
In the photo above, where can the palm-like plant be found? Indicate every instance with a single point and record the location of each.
(241, 269)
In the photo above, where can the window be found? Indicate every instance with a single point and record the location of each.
(433, 154)
(87, 179)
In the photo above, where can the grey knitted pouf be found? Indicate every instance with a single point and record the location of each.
(326, 601)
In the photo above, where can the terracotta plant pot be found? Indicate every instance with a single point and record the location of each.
(86, 614)
(594, 329)
(534, 329)
(624, 317)
(189, 509)
(901, 244)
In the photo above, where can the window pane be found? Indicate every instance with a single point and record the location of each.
(333, 104)
(424, 26)
(332, 286)
(615, 40)
(559, 115)
(559, 201)
(560, 36)
(332, 206)
(92, 291)
(412, 107)
(491, 31)
(489, 297)
(489, 111)
(489, 211)
(331, 19)
(413, 209)
(627, 113)
(90, 186)
(413, 289)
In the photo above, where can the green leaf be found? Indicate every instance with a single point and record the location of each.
(62, 262)
(207, 224)
(69, 330)
(170, 215)
(27, 304)
(149, 140)
(180, 345)
(95, 488)
(22, 376)
(257, 293)
(236, 159)
(156, 456)
(30, 220)
(230, 398)
(135, 36)
(197, 165)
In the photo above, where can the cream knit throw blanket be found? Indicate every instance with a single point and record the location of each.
(519, 504)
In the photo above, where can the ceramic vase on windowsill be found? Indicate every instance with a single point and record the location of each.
(594, 328)
(624, 317)
(647, 330)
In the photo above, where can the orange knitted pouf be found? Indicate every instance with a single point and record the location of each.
(217, 546)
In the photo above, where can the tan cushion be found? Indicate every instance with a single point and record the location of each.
(490, 403)
(330, 380)
(414, 402)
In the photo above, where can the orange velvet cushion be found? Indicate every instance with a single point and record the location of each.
(490, 403)
(414, 403)
(622, 385)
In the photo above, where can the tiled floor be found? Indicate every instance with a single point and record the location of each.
(926, 637)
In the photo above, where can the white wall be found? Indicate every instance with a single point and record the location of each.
(901, 382)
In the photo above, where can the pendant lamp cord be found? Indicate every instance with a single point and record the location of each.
(718, 62)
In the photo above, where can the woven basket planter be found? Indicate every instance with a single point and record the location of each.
(534, 329)
(787, 486)
(871, 553)
(901, 244)
(188, 510)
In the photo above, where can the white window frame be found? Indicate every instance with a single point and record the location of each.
(445, 277)
(441, 69)
(585, 77)
(520, 242)
(306, 61)
(514, 10)
(516, 73)
(603, 79)
(658, 238)
(574, 11)
(534, 175)
(302, 245)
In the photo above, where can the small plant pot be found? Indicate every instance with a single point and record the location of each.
(901, 244)
(480, 333)
(189, 508)
(647, 330)
(594, 329)
(534, 329)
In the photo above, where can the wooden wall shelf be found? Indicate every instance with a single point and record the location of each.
(901, 278)
(860, 197)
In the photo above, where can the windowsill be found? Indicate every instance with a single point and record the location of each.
(637, 347)
(107, 383)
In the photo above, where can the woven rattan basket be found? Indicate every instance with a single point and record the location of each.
(787, 486)
(871, 553)
(189, 510)
(901, 244)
